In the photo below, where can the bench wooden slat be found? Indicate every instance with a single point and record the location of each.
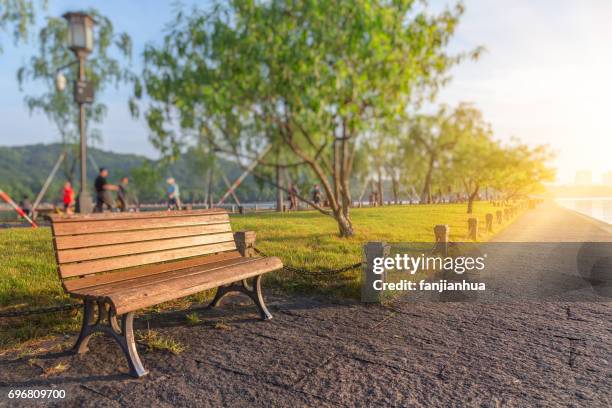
(76, 283)
(109, 251)
(112, 225)
(148, 280)
(123, 237)
(78, 218)
(108, 264)
(139, 298)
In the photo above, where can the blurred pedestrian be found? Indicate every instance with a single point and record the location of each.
(104, 196)
(316, 194)
(174, 194)
(26, 205)
(124, 195)
(68, 197)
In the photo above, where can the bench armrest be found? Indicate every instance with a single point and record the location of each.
(245, 243)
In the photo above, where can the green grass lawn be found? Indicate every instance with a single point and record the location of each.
(306, 240)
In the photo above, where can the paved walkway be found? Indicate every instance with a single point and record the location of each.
(318, 353)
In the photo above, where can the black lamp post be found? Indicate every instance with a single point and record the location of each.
(80, 39)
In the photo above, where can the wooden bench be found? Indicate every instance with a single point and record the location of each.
(118, 263)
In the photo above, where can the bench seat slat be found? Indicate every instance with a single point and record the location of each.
(109, 251)
(108, 264)
(74, 284)
(124, 237)
(144, 281)
(78, 218)
(141, 297)
(129, 224)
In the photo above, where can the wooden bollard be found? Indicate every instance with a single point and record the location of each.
(245, 242)
(371, 251)
(498, 213)
(473, 228)
(489, 219)
(441, 233)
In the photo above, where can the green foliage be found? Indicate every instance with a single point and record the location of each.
(17, 16)
(524, 170)
(313, 78)
(147, 180)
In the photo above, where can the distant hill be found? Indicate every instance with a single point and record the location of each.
(23, 170)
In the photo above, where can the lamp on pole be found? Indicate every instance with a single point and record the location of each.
(80, 40)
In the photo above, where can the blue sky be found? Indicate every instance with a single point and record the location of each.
(545, 77)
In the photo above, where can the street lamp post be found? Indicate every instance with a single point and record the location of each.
(80, 38)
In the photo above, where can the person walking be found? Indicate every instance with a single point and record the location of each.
(316, 194)
(124, 195)
(173, 193)
(26, 205)
(68, 197)
(103, 191)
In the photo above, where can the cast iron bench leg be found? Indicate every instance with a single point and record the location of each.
(80, 346)
(254, 292)
(124, 334)
(128, 344)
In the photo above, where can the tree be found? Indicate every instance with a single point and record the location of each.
(17, 16)
(104, 67)
(438, 134)
(525, 169)
(312, 77)
(477, 160)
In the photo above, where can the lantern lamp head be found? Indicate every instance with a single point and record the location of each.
(60, 82)
(80, 32)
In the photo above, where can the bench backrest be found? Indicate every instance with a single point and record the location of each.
(94, 243)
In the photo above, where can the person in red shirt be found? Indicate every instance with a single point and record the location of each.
(68, 193)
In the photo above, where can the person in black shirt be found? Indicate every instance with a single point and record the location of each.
(103, 191)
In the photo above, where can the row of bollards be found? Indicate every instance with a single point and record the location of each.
(441, 232)
(373, 250)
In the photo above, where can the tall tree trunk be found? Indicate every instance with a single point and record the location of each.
(471, 198)
(339, 206)
(209, 193)
(395, 188)
(379, 187)
(426, 193)
(207, 181)
(345, 226)
(280, 200)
